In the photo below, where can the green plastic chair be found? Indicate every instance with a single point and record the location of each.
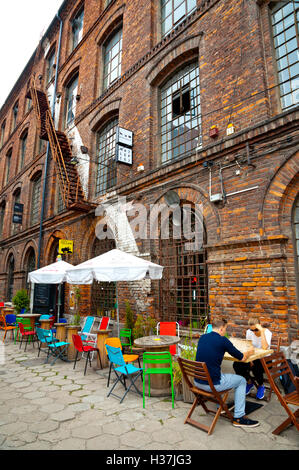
(127, 334)
(157, 358)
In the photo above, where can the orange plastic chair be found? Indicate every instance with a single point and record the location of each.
(169, 328)
(116, 343)
(6, 328)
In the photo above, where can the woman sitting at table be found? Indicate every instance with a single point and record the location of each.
(261, 338)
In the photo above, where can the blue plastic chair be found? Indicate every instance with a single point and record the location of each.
(41, 336)
(86, 329)
(23, 310)
(122, 371)
(11, 319)
(44, 317)
(56, 348)
(208, 328)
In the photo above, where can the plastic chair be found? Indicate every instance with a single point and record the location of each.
(87, 327)
(27, 326)
(23, 310)
(11, 319)
(56, 348)
(104, 325)
(169, 328)
(208, 328)
(123, 372)
(126, 333)
(80, 347)
(115, 343)
(27, 334)
(4, 326)
(163, 358)
(41, 336)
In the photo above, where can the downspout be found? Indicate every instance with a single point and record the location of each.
(48, 146)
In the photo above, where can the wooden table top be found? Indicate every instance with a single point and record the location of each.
(100, 332)
(29, 315)
(244, 345)
(156, 341)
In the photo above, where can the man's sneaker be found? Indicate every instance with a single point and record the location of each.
(248, 388)
(245, 422)
(260, 392)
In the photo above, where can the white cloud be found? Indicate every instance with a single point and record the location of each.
(22, 23)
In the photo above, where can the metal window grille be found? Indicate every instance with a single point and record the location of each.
(77, 29)
(2, 214)
(2, 133)
(60, 203)
(15, 115)
(106, 170)
(180, 114)
(173, 12)
(103, 294)
(112, 58)
(285, 24)
(71, 92)
(10, 278)
(30, 267)
(183, 288)
(36, 188)
(23, 149)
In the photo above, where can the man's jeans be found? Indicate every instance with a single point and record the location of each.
(230, 381)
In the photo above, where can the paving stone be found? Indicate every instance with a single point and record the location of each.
(34, 395)
(70, 444)
(103, 442)
(135, 439)
(52, 408)
(87, 432)
(43, 427)
(64, 415)
(13, 428)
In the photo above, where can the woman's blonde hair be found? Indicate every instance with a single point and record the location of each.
(253, 321)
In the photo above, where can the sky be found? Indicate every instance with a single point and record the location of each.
(22, 23)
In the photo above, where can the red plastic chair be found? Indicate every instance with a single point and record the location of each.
(104, 323)
(80, 347)
(169, 328)
(27, 334)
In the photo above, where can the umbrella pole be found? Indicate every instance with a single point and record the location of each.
(31, 297)
(59, 302)
(117, 309)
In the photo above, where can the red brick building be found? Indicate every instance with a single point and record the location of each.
(210, 90)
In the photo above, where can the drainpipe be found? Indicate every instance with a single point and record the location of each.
(48, 146)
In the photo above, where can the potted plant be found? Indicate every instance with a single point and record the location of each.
(21, 300)
(144, 325)
(188, 351)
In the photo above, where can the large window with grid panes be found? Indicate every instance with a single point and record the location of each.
(23, 146)
(285, 25)
(106, 166)
(112, 58)
(77, 29)
(173, 12)
(180, 114)
(71, 92)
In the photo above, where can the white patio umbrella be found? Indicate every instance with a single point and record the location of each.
(113, 266)
(54, 273)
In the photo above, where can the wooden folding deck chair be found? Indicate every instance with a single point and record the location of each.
(199, 371)
(275, 366)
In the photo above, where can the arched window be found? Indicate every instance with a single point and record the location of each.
(183, 288)
(15, 112)
(29, 266)
(77, 29)
(7, 166)
(285, 24)
(16, 200)
(50, 65)
(180, 114)
(103, 294)
(35, 199)
(23, 146)
(173, 12)
(3, 125)
(112, 58)
(2, 214)
(70, 100)
(10, 277)
(106, 170)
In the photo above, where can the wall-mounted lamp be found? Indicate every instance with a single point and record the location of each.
(78, 97)
(58, 96)
(84, 149)
(208, 164)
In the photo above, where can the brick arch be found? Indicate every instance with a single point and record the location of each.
(111, 24)
(11, 251)
(182, 51)
(104, 113)
(70, 73)
(31, 245)
(52, 238)
(275, 208)
(194, 194)
(90, 237)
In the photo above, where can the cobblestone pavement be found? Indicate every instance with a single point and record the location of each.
(44, 407)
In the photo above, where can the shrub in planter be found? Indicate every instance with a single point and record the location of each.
(21, 300)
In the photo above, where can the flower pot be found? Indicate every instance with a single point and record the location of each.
(188, 396)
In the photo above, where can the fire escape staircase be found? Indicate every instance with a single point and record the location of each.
(69, 181)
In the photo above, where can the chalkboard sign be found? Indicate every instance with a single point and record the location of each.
(44, 298)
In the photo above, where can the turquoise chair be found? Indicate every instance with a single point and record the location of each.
(86, 329)
(123, 372)
(57, 348)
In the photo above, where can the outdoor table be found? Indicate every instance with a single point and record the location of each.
(60, 331)
(160, 383)
(102, 335)
(32, 316)
(243, 345)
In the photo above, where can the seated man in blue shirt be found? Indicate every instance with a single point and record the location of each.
(211, 349)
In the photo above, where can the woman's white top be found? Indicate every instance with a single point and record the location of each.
(257, 340)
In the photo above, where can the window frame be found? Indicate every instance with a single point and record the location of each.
(15, 116)
(76, 37)
(35, 199)
(71, 95)
(175, 5)
(104, 183)
(3, 128)
(107, 77)
(22, 150)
